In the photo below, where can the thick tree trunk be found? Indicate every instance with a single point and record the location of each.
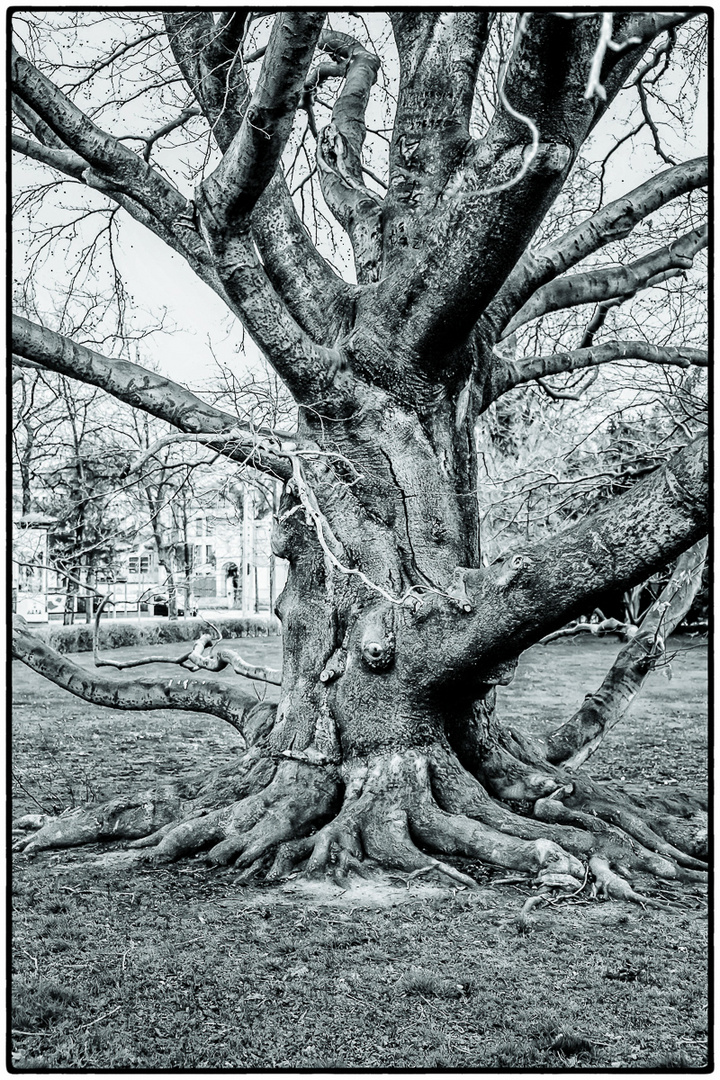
(384, 745)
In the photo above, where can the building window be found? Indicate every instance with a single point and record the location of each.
(133, 562)
(197, 554)
(199, 525)
(144, 564)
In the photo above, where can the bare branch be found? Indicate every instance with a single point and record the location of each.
(142, 389)
(616, 282)
(514, 373)
(250, 161)
(184, 694)
(538, 589)
(111, 165)
(642, 94)
(574, 742)
(613, 222)
(166, 129)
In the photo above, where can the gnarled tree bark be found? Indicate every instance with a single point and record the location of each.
(386, 743)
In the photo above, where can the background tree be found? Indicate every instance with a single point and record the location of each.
(65, 469)
(449, 149)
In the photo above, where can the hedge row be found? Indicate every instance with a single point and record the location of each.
(72, 639)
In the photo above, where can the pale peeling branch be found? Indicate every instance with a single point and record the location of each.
(512, 373)
(613, 222)
(223, 657)
(645, 26)
(143, 389)
(194, 658)
(574, 742)
(595, 286)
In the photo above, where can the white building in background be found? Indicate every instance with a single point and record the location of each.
(220, 562)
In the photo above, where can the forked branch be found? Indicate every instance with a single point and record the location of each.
(251, 159)
(598, 285)
(613, 222)
(538, 589)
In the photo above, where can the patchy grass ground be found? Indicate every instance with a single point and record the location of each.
(121, 966)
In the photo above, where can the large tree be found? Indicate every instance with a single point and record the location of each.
(386, 743)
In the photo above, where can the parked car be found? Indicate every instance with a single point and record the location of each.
(161, 606)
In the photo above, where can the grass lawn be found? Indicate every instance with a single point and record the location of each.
(119, 965)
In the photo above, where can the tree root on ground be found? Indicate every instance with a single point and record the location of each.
(530, 778)
(408, 811)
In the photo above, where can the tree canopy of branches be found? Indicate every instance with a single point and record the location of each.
(408, 215)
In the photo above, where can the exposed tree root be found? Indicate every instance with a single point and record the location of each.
(407, 811)
(527, 776)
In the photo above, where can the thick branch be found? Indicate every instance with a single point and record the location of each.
(186, 694)
(173, 222)
(439, 54)
(216, 76)
(514, 373)
(111, 165)
(339, 156)
(538, 589)
(35, 125)
(594, 286)
(253, 156)
(316, 297)
(574, 742)
(142, 389)
(486, 221)
(208, 56)
(242, 280)
(613, 222)
(63, 160)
